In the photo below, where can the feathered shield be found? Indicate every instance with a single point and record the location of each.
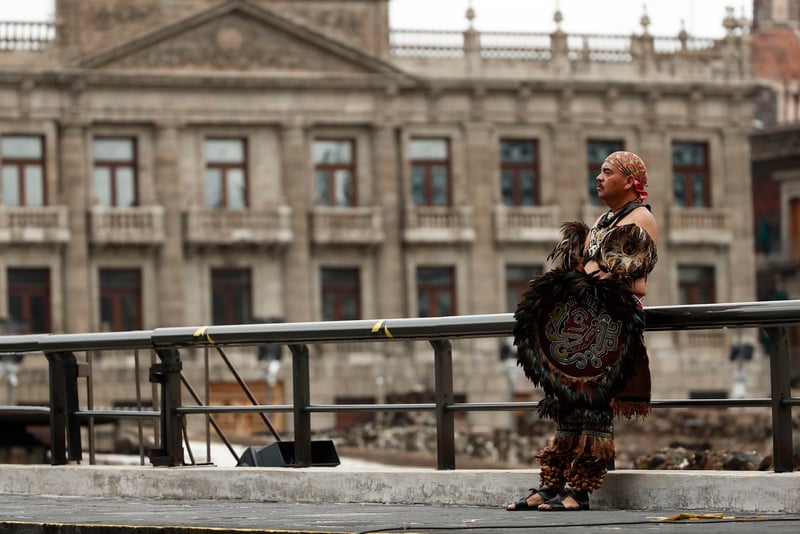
(579, 337)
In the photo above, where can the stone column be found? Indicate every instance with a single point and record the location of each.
(567, 170)
(75, 177)
(297, 180)
(170, 272)
(390, 278)
(736, 155)
(652, 147)
(481, 195)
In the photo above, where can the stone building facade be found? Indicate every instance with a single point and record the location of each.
(775, 146)
(200, 162)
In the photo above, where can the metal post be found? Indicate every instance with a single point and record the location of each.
(65, 430)
(780, 390)
(445, 419)
(302, 399)
(168, 374)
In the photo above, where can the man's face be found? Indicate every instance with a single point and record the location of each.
(612, 185)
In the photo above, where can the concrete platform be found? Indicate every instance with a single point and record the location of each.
(722, 491)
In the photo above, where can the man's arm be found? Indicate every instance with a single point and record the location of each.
(644, 220)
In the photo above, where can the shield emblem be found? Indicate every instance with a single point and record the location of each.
(580, 339)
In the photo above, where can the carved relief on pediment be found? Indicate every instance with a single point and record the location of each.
(234, 42)
(348, 24)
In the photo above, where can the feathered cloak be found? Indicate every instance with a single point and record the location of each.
(581, 338)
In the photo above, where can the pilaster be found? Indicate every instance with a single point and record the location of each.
(297, 277)
(76, 258)
(390, 277)
(736, 155)
(567, 171)
(171, 303)
(482, 286)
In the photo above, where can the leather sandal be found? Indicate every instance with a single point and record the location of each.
(556, 504)
(522, 504)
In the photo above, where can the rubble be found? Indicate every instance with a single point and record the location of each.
(706, 438)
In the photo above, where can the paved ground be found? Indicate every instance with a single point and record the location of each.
(35, 514)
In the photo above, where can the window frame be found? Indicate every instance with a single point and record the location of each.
(435, 289)
(331, 168)
(517, 168)
(225, 288)
(428, 165)
(26, 292)
(113, 165)
(117, 294)
(224, 167)
(687, 172)
(338, 292)
(692, 288)
(518, 286)
(593, 166)
(20, 164)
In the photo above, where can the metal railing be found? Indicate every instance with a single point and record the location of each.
(66, 415)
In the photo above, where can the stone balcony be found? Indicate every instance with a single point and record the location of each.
(138, 225)
(362, 225)
(439, 224)
(526, 224)
(34, 224)
(209, 226)
(699, 226)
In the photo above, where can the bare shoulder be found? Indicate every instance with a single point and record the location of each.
(643, 218)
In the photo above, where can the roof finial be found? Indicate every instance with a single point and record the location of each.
(558, 16)
(645, 20)
(470, 14)
(729, 22)
(683, 35)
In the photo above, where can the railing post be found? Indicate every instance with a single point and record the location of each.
(780, 390)
(302, 398)
(168, 374)
(65, 430)
(445, 419)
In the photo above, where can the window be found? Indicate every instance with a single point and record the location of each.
(23, 170)
(120, 299)
(436, 295)
(231, 296)
(29, 300)
(596, 152)
(519, 176)
(430, 172)
(517, 278)
(696, 285)
(341, 294)
(114, 171)
(226, 176)
(334, 172)
(690, 180)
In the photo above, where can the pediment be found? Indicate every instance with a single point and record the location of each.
(237, 36)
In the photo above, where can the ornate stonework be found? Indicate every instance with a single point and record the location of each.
(234, 42)
(344, 23)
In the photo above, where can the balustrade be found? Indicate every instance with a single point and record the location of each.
(26, 35)
(526, 224)
(208, 226)
(130, 225)
(34, 224)
(699, 226)
(355, 225)
(439, 224)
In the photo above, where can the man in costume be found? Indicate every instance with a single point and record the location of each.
(580, 336)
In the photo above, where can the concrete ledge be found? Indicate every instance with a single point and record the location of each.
(723, 491)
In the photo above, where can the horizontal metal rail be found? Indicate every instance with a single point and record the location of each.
(658, 318)
(64, 412)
